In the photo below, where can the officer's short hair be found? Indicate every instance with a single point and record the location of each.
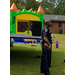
(45, 22)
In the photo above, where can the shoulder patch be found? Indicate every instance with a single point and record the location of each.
(46, 30)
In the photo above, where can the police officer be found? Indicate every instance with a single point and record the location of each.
(45, 61)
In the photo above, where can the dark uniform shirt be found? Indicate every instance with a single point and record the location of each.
(46, 32)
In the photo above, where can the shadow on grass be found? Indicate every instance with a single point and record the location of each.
(23, 55)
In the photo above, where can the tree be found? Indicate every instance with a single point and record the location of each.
(32, 4)
(48, 6)
(25, 4)
(20, 4)
(60, 9)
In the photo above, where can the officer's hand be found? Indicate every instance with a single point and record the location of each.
(49, 48)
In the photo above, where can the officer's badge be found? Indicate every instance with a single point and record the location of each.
(49, 31)
(46, 30)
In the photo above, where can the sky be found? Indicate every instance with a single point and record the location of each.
(39, 0)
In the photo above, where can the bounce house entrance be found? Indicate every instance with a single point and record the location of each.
(22, 26)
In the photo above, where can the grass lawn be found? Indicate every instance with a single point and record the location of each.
(23, 59)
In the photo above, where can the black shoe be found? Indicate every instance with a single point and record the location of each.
(32, 45)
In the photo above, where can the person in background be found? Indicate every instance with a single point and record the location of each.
(34, 44)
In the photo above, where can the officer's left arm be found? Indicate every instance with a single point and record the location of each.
(45, 36)
(46, 40)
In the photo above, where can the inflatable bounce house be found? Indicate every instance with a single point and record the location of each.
(21, 21)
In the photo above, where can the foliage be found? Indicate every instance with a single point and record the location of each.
(47, 6)
(56, 7)
(60, 9)
(32, 4)
(20, 4)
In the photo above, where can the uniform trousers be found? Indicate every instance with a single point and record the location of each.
(45, 61)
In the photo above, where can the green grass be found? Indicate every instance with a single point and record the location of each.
(23, 59)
